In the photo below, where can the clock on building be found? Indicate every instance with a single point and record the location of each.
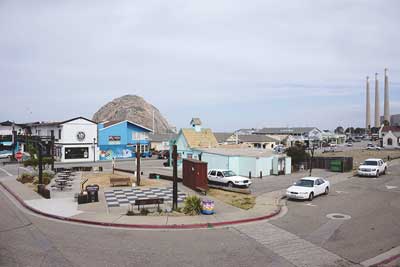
(80, 136)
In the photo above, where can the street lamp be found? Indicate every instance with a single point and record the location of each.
(94, 149)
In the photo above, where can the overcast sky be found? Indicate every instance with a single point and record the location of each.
(234, 64)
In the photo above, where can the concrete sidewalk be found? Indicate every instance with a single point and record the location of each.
(63, 206)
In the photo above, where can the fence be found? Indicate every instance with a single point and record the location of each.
(341, 164)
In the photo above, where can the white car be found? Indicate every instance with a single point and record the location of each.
(228, 178)
(6, 154)
(373, 147)
(308, 188)
(372, 167)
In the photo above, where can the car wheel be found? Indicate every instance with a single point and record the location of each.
(377, 173)
(311, 196)
(326, 190)
(230, 184)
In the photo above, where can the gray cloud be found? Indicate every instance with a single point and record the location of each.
(197, 57)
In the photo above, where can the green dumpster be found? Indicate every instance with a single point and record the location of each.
(336, 165)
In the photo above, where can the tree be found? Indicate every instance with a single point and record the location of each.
(359, 131)
(297, 153)
(349, 130)
(339, 130)
(386, 123)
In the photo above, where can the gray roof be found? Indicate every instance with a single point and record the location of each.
(252, 138)
(244, 152)
(162, 137)
(285, 130)
(221, 137)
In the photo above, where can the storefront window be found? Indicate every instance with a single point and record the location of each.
(76, 153)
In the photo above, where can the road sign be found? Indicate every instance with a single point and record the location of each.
(18, 155)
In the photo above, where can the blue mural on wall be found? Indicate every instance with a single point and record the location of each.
(119, 140)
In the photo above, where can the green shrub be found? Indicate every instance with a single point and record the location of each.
(192, 205)
(46, 180)
(26, 178)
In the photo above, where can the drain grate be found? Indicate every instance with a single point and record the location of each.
(338, 216)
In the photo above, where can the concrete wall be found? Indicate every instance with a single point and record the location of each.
(70, 130)
(395, 141)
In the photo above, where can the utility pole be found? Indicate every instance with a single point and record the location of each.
(138, 164)
(52, 150)
(175, 178)
(40, 162)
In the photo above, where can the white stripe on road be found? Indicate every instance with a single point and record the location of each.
(6, 172)
(378, 259)
(25, 169)
(291, 247)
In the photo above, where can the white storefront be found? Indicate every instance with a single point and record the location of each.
(75, 139)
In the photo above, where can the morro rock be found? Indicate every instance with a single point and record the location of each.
(133, 108)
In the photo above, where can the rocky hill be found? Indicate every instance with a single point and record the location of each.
(135, 109)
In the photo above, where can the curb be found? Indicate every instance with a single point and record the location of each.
(141, 226)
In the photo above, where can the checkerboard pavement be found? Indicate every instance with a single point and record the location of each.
(125, 197)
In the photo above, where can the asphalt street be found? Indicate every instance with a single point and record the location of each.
(29, 240)
(372, 204)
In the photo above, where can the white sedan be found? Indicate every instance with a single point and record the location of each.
(308, 188)
(227, 177)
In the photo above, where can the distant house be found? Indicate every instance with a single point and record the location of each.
(194, 137)
(159, 142)
(119, 139)
(6, 132)
(290, 136)
(75, 139)
(246, 140)
(390, 136)
(331, 137)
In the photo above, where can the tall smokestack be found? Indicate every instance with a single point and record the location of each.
(377, 117)
(386, 114)
(368, 109)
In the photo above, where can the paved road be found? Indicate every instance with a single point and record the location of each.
(374, 226)
(27, 240)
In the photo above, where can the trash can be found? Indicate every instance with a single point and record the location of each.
(93, 192)
(207, 207)
(336, 165)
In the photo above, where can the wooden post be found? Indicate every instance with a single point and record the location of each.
(52, 150)
(138, 164)
(40, 163)
(175, 178)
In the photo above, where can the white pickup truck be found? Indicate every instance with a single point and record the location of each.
(372, 167)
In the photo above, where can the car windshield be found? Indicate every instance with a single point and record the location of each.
(229, 173)
(370, 163)
(305, 183)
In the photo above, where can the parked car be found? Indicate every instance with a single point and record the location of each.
(228, 178)
(308, 188)
(164, 154)
(5, 154)
(372, 167)
(371, 146)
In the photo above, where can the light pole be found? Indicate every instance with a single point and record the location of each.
(94, 149)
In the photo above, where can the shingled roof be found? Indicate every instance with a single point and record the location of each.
(202, 139)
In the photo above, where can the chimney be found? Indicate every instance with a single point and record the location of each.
(377, 123)
(368, 109)
(386, 114)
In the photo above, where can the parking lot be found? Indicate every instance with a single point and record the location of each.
(366, 222)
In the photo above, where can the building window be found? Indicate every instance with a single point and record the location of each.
(59, 134)
(76, 153)
(51, 132)
(389, 141)
(139, 136)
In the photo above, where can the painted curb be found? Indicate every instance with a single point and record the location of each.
(141, 226)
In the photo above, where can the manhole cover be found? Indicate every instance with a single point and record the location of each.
(338, 216)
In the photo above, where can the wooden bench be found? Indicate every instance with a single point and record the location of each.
(202, 190)
(149, 201)
(120, 181)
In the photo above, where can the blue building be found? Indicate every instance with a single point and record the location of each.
(118, 139)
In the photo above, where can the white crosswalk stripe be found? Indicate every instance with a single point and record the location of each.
(298, 251)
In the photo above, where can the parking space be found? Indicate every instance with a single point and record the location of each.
(356, 212)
